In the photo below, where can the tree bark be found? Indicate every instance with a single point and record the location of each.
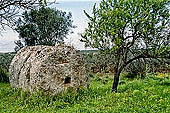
(119, 70)
(115, 82)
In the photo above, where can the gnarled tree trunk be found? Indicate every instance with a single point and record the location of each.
(115, 82)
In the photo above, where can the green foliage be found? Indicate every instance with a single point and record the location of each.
(10, 11)
(134, 24)
(43, 2)
(3, 75)
(99, 62)
(5, 60)
(115, 22)
(43, 26)
(130, 30)
(97, 77)
(138, 95)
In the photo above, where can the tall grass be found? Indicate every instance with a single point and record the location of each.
(151, 94)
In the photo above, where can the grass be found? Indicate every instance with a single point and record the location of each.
(149, 95)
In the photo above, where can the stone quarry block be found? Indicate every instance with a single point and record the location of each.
(52, 69)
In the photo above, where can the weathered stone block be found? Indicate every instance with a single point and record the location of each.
(48, 68)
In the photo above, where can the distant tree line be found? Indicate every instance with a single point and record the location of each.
(104, 63)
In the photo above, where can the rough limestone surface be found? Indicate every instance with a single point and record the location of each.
(48, 68)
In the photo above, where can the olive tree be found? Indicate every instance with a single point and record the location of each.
(130, 30)
(10, 9)
(43, 26)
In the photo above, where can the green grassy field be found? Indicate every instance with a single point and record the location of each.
(149, 95)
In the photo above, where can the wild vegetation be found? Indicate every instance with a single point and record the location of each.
(132, 38)
(5, 60)
(43, 26)
(9, 11)
(151, 94)
(130, 30)
(97, 61)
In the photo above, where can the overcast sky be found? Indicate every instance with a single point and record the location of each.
(75, 0)
(79, 19)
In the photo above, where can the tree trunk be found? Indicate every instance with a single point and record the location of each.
(119, 70)
(115, 82)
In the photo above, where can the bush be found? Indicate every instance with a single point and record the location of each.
(3, 75)
(98, 62)
(43, 26)
(5, 60)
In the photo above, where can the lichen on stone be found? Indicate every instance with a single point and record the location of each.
(49, 68)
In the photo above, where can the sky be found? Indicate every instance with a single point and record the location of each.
(76, 7)
(75, 0)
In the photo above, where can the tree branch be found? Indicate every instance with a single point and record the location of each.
(141, 56)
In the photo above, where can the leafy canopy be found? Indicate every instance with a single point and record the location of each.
(10, 9)
(129, 29)
(128, 23)
(44, 26)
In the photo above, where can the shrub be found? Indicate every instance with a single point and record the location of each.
(5, 60)
(3, 75)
